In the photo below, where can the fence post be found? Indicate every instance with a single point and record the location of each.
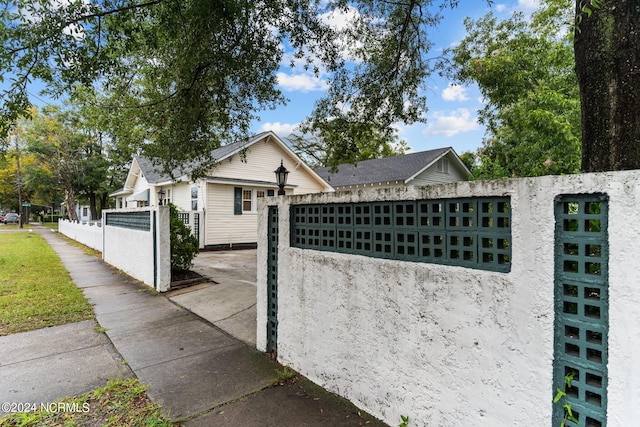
(163, 246)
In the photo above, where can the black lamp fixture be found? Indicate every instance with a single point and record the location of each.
(281, 178)
(160, 196)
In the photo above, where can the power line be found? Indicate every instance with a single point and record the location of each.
(40, 99)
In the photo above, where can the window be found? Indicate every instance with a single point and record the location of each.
(194, 198)
(84, 212)
(443, 165)
(247, 199)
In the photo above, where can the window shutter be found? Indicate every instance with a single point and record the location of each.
(237, 200)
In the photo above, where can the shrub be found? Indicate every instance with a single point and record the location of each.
(184, 245)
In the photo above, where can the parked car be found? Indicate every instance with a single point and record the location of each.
(1, 217)
(11, 217)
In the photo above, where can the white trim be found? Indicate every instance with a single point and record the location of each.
(140, 196)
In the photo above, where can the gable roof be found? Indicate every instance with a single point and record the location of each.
(396, 168)
(155, 176)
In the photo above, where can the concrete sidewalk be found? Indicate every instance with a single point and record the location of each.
(201, 375)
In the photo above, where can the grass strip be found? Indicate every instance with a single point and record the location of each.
(36, 290)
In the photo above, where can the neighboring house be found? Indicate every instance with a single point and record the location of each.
(226, 199)
(422, 168)
(84, 212)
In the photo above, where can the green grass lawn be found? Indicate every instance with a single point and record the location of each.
(35, 289)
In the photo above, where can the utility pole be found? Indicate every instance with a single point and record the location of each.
(19, 177)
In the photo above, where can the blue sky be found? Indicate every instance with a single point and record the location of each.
(451, 119)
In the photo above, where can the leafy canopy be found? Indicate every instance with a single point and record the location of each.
(524, 70)
(193, 74)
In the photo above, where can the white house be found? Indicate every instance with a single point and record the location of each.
(225, 201)
(437, 166)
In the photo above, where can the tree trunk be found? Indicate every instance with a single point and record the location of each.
(70, 201)
(104, 200)
(92, 206)
(607, 55)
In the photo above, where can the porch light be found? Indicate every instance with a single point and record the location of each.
(160, 196)
(281, 178)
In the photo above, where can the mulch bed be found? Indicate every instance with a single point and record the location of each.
(184, 279)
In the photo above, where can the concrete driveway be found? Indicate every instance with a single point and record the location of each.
(229, 300)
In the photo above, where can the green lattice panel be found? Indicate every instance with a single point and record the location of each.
(470, 232)
(494, 237)
(344, 228)
(133, 220)
(581, 307)
(431, 231)
(272, 280)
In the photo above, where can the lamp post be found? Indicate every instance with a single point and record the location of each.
(160, 196)
(281, 178)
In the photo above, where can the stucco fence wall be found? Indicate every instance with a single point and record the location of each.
(87, 233)
(449, 345)
(134, 240)
(142, 251)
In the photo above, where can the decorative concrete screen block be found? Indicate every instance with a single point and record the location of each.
(581, 301)
(470, 232)
(272, 281)
(134, 220)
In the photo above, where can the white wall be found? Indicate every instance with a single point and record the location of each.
(450, 345)
(136, 253)
(88, 234)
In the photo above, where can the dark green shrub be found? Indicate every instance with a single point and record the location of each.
(184, 245)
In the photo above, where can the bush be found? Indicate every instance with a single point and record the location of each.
(184, 245)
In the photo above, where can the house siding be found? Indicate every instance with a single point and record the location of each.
(433, 176)
(140, 185)
(223, 226)
(262, 158)
(181, 195)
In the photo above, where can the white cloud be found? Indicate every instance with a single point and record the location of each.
(453, 123)
(340, 19)
(528, 5)
(455, 92)
(301, 82)
(280, 129)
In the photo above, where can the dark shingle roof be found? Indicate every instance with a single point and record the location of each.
(396, 168)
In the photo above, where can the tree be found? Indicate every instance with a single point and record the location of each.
(111, 141)
(62, 150)
(607, 59)
(344, 142)
(196, 72)
(524, 70)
